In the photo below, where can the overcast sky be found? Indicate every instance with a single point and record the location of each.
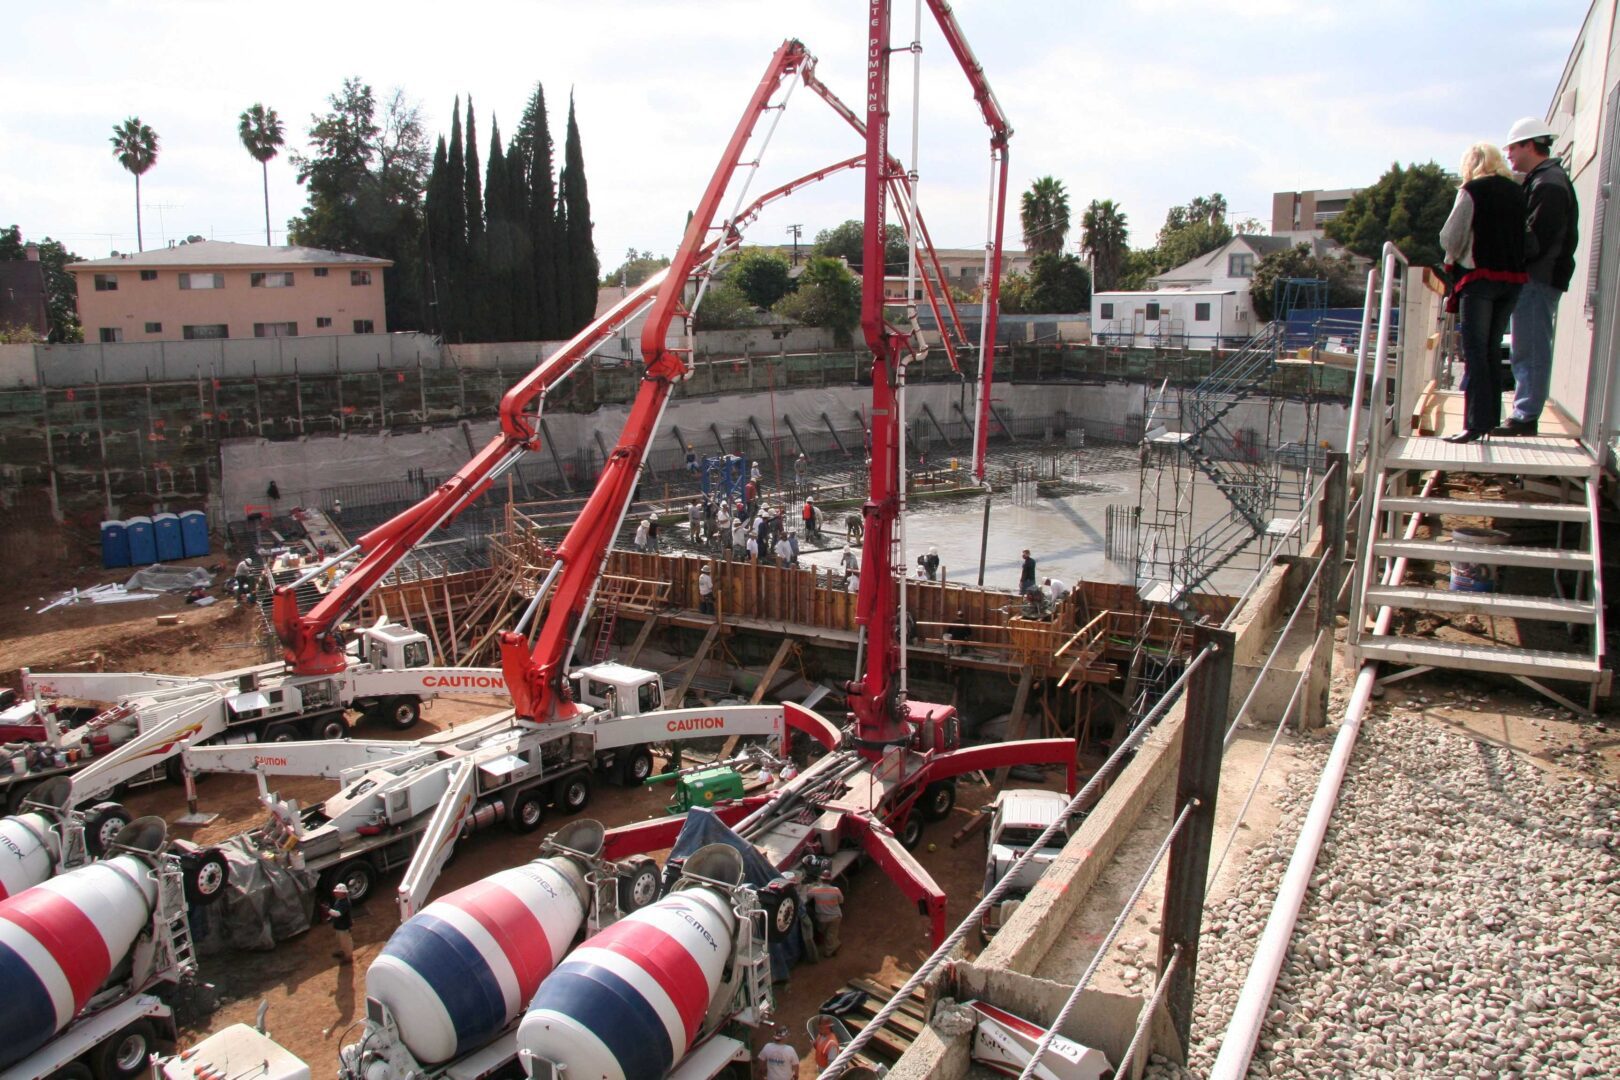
(1147, 102)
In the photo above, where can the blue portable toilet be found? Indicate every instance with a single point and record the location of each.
(114, 544)
(142, 542)
(166, 531)
(194, 533)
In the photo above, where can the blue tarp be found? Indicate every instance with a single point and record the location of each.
(702, 828)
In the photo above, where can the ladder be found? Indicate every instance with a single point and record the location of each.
(604, 633)
(173, 920)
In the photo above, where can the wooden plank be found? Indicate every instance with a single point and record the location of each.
(640, 643)
(432, 624)
(697, 659)
(450, 613)
(782, 650)
(1015, 726)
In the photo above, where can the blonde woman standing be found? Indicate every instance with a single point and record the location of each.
(1484, 239)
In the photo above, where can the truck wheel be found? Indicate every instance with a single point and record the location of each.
(573, 792)
(528, 811)
(17, 795)
(123, 1056)
(206, 875)
(782, 914)
(639, 884)
(911, 832)
(102, 826)
(937, 800)
(358, 874)
(401, 713)
(636, 767)
(280, 733)
(329, 727)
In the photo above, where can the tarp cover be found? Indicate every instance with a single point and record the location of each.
(702, 828)
(264, 903)
(169, 579)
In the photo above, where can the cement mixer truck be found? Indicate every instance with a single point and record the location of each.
(90, 960)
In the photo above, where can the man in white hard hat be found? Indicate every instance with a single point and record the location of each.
(780, 1060)
(1550, 250)
(340, 912)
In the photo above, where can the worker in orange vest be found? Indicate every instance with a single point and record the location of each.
(826, 1044)
(827, 912)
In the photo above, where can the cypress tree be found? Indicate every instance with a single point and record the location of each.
(582, 267)
(456, 238)
(535, 151)
(437, 231)
(497, 291)
(520, 298)
(474, 289)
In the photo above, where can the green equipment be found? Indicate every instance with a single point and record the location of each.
(702, 786)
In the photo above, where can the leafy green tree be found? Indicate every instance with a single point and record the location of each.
(1059, 283)
(1187, 243)
(1407, 206)
(636, 268)
(135, 145)
(577, 291)
(61, 291)
(761, 276)
(846, 242)
(1044, 215)
(1015, 290)
(1138, 266)
(1344, 288)
(828, 295)
(725, 307)
(261, 131)
(1104, 237)
(364, 179)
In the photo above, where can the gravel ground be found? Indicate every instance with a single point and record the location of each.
(1464, 920)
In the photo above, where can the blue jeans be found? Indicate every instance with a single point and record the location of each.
(1482, 320)
(1533, 324)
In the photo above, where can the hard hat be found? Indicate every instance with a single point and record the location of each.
(1527, 129)
(781, 1031)
(705, 566)
(340, 889)
(824, 1021)
(826, 873)
(809, 498)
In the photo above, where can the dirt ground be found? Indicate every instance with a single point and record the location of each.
(313, 999)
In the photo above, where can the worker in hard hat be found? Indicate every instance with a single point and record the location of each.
(705, 590)
(1550, 240)
(781, 1061)
(826, 912)
(826, 1045)
(341, 915)
(691, 460)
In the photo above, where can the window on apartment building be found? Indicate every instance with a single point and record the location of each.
(148, 275)
(364, 326)
(1240, 266)
(1152, 313)
(271, 279)
(321, 271)
(1200, 313)
(275, 329)
(322, 322)
(205, 332)
(202, 281)
(1105, 311)
(359, 277)
(112, 333)
(106, 283)
(154, 328)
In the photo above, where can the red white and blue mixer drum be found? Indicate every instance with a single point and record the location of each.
(28, 851)
(629, 1002)
(59, 942)
(461, 969)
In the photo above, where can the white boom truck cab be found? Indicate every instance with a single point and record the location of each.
(1018, 817)
(617, 689)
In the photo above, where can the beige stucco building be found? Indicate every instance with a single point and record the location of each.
(214, 289)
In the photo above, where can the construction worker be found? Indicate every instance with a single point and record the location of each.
(931, 563)
(801, 469)
(337, 509)
(340, 914)
(808, 514)
(781, 1061)
(849, 560)
(827, 912)
(826, 1045)
(691, 460)
(1056, 590)
(853, 582)
(643, 532)
(1026, 574)
(705, 590)
(956, 633)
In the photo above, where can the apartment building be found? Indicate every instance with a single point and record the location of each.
(213, 289)
(1303, 215)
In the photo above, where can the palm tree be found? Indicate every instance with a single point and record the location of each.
(1102, 236)
(1045, 216)
(136, 147)
(260, 129)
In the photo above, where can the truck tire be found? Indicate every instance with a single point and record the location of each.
(636, 767)
(781, 914)
(280, 733)
(206, 875)
(329, 726)
(639, 884)
(937, 800)
(401, 713)
(102, 825)
(16, 794)
(528, 811)
(123, 1056)
(911, 832)
(358, 874)
(572, 793)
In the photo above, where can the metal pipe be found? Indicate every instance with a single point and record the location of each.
(1351, 431)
